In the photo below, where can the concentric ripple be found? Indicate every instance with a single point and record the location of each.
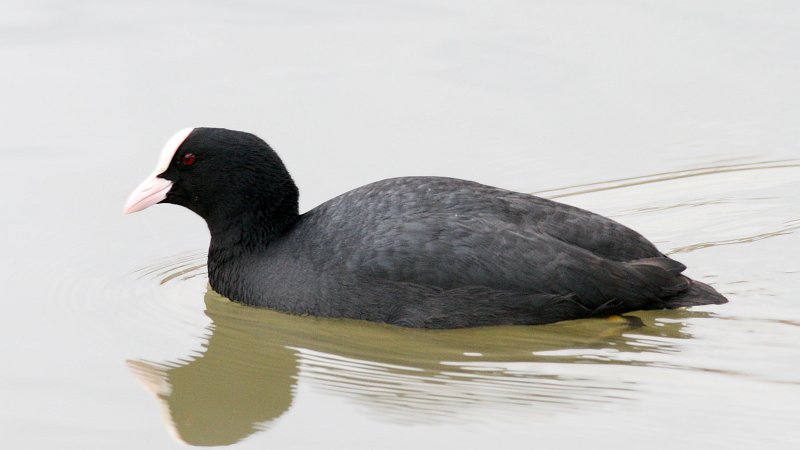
(156, 301)
(181, 267)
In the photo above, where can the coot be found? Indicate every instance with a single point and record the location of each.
(413, 251)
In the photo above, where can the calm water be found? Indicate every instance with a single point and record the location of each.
(677, 118)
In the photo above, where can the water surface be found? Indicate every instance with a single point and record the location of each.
(678, 119)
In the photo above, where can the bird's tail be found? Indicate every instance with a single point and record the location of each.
(697, 294)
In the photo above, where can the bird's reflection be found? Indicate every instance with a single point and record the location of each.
(245, 379)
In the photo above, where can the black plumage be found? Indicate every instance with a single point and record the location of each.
(413, 251)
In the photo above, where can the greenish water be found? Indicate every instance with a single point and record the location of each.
(678, 119)
(246, 377)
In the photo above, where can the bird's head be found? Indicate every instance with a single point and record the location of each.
(219, 174)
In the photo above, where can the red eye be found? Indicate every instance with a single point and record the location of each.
(188, 159)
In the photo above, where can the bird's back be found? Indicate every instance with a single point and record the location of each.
(396, 248)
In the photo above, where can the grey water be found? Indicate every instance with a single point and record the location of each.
(677, 118)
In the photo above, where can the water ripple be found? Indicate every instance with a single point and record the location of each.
(786, 228)
(619, 183)
(181, 267)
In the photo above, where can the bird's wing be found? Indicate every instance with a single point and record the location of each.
(450, 234)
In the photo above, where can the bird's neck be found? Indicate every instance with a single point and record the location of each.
(236, 236)
(251, 220)
(248, 233)
(253, 228)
